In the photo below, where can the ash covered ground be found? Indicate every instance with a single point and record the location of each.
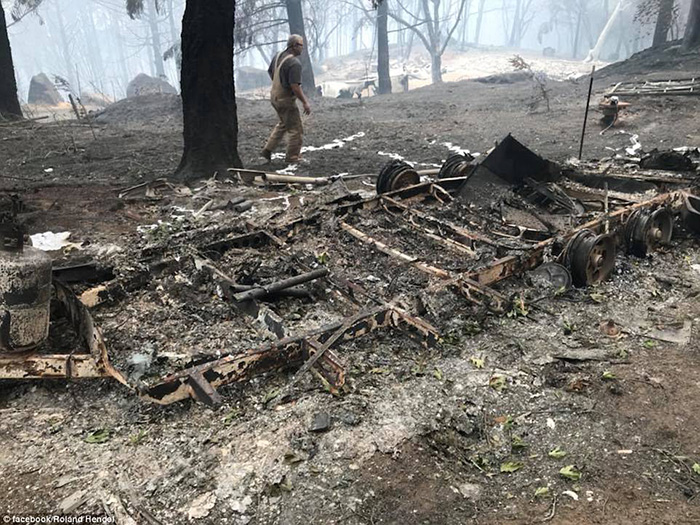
(477, 428)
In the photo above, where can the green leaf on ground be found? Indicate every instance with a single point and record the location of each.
(608, 376)
(476, 362)
(100, 435)
(518, 443)
(138, 437)
(497, 382)
(272, 394)
(511, 466)
(380, 370)
(540, 492)
(570, 472)
(696, 468)
(438, 374)
(231, 416)
(556, 453)
(649, 343)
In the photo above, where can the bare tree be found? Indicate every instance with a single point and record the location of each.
(428, 24)
(383, 71)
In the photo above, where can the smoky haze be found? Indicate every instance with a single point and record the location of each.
(98, 48)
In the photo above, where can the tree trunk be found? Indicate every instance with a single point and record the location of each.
(479, 18)
(516, 22)
(594, 54)
(155, 39)
(577, 34)
(663, 22)
(9, 103)
(71, 75)
(691, 37)
(436, 67)
(383, 49)
(208, 95)
(296, 27)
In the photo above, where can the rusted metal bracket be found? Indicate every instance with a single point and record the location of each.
(287, 353)
(468, 288)
(439, 190)
(51, 366)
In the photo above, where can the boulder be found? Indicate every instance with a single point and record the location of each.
(42, 91)
(248, 78)
(143, 84)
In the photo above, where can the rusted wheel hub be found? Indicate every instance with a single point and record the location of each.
(646, 230)
(456, 165)
(590, 257)
(396, 174)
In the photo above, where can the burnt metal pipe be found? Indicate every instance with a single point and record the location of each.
(257, 293)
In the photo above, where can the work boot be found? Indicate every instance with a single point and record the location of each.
(266, 154)
(295, 160)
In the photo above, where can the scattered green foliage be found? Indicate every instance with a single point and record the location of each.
(519, 308)
(138, 437)
(649, 343)
(380, 370)
(272, 394)
(696, 468)
(570, 472)
(322, 258)
(476, 362)
(231, 416)
(497, 382)
(517, 443)
(597, 297)
(438, 374)
(541, 492)
(608, 376)
(100, 435)
(569, 327)
(511, 466)
(557, 453)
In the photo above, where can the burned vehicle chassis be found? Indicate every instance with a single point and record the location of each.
(587, 251)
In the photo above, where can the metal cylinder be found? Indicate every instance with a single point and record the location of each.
(25, 299)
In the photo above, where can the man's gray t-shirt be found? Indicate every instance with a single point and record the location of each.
(290, 72)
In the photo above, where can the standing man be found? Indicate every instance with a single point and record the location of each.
(285, 72)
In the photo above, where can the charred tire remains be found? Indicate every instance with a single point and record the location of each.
(590, 257)
(395, 175)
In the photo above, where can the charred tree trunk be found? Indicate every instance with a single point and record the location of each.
(383, 49)
(691, 37)
(208, 96)
(663, 22)
(296, 27)
(9, 103)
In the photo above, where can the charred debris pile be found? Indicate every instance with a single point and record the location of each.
(260, 272)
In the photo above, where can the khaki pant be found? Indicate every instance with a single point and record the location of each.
(289, 124)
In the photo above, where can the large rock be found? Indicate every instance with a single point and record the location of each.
(248, 78)
(42, 91)
(142, 84)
